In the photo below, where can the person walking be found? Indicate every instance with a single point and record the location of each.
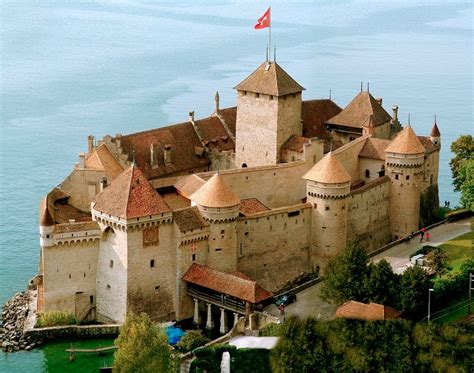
(422, 231)
(427, 236)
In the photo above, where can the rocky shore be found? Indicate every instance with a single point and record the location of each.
(14, 316)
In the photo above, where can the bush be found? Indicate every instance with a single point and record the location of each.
(191, 340)
(425, 249)
(209, 358)
(56, 318)
(458, 215)
(270, 330)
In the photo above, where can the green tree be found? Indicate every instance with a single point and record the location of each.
(436, 260)
(345, 276)
(466, 173)
(191, 340)
(414, 285)
(382, 284)
(142, 347)
(463, 149)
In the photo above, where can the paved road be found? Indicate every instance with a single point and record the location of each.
(398, 256)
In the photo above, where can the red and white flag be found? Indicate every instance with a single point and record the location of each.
(263, 21)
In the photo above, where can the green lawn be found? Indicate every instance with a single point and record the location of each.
(459, 249)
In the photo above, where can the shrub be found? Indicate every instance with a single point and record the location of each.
(271, 330)
(191, 340)
(425, 249)
(56, 318)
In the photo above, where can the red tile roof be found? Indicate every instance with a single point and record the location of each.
(251, 206)
(328, 170)
(359, 110)
(427, 144)
(270, 79)
(213, 134)
(435, 131)
(296, 143)
(237, 284)
(130, 195)
(189, 218)
(216, 193)
(362, 311)
(188, 185)
(103, 160)
(76, 227)
(229, 115)
(314, 113)
(183, 140)
(406, 142)
(374, 148)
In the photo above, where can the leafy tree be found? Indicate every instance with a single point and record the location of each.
(142, 347)
(345, 276)
(382, 284)
(191, 340)
(463, 149)
(436, 260)
(466, 173)
(414, 287)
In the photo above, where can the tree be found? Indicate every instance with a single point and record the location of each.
(466, 173)
(382, 285)
(191, 340)
(463, 149)
(414, 287)
(345, 276)
(142, 347)
(436, 260)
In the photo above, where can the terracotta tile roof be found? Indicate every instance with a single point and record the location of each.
(130, 195)
(216, 193)
(103, 160)
(374, 148)
(213, 134)
(251, 206)
(175, 200)
(57, 194)
(189, 218)
(183, 140)
(229, 115)
(63, 213)
(76, 227)
(359, 110)
(435, 131)
(406, 142)
(270, 79)
(45, 217)
(328, 170)
(314, 113)
(296, 143)
(362, 311)
(427, 144)
(188, 185)
(237, 284)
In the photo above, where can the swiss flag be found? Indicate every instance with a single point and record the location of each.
(264, 21)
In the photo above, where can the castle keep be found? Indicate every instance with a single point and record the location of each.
(208, 217)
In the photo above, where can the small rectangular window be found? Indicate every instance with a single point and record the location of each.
(408, 177)
(327, 208)
(293, 213)
(396, 177)
(91, 299)
(193, 257)
(367, 173)
(152, 263)
(219, 249)
(111, 264)
(222, 231)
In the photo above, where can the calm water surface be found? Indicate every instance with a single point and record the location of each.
(70, 69)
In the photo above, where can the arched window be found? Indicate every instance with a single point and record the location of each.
(244, 165)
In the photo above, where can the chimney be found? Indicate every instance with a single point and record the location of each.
(167, 154)
(90, 144)
(152, 155)
(82, 160)
(103, 184)
(379, 100)
(118, 140)
(191, 116)
(395, 113)
(216, 102)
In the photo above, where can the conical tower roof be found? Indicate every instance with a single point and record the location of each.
(435, 131)
(406, 142)
(329, 171)
(358, 111)
(46, 219)
(130, 195)
(270, 79)
(215, 193)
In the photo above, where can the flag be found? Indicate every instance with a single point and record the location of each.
(263, 21)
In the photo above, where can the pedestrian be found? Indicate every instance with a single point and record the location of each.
(422, 234)
(407, 239)
(449, 204)
(427, 236)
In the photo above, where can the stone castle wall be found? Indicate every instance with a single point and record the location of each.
(82, 186)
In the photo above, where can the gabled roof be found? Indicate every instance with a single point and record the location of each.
(314, 113)
(188, 185)
(189, 218)
(251, 206)
(102, 159)
(229, 115)
(296, 143)
(130, 195)
(328, 170)
(358, 111)
(427, 144)
(270, 79)
(215, 193)
(374, 148)
(237, 284)
(213, 134)
(362, 311)
(406, 142)
(435, 131)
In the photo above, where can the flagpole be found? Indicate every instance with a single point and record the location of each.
(270, 33)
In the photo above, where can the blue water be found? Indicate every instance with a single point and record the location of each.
(74, 68)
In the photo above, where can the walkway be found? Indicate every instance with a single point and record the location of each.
(399, 256)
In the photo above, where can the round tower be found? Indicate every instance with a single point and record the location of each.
(435, 135)
(404, 159)
(219, 205)
(46, 225)
(328, 185)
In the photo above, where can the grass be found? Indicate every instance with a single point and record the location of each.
(452, 313)
(459, 250)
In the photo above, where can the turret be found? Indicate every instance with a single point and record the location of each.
(219, 205)
(216, 103)
(435, 135)
(404, 159)
(46, 225)
(328, 185)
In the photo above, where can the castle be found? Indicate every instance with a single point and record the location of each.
(208, 217)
